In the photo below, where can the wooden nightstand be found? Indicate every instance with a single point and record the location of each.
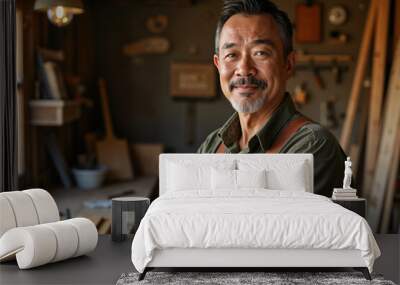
(357, 205)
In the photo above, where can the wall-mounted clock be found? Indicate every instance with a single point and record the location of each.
(337, 15)
(157, 24)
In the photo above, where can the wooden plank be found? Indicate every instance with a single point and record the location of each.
(387, 146)
(111, 151)
(357, 146)
(358, 76)
(387, 209)
(396, 23)
(96, 219)
(105, 227)
(145, 157)
(377, 91)
(303, 58)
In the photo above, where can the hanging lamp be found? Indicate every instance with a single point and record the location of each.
(59, 12)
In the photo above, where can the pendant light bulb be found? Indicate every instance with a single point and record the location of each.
(59, 12)
(60, 16)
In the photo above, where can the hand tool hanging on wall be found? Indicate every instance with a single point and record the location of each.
(317, 62)
(338, 37)
(308, 22)
(111, 151)
(333, 121)
(300, 95)
(317, 76)
(337, 73)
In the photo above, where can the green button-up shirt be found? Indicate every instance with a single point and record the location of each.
(311, 138)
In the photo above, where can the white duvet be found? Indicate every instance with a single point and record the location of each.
(253, 218)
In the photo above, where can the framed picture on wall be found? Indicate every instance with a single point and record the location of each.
(192, 80)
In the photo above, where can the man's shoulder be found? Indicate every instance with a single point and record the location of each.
(317, 132)
(213, 136)
(312, 137)
(210, 143)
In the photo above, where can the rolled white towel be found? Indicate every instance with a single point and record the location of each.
(87, 235)
(46, 207)
(33, 246)
(7, 218)
(66, 238)
(26, 208)
(23, 208)
(40, 244)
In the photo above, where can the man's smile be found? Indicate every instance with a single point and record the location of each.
(248, 83)
(246, 87)
(246, 90)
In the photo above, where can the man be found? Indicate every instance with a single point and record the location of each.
(254, 57)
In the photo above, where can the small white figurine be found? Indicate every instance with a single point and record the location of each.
(347, 174)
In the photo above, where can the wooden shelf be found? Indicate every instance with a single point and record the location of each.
(53, 112)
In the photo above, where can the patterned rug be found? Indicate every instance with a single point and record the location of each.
(242, 278)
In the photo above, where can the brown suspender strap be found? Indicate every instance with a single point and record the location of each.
(283, 137)
(288, 131)
(221, 148)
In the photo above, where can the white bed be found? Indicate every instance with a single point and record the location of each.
(200, 220)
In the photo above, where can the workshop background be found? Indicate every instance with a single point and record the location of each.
(141, 85)
(152, 61)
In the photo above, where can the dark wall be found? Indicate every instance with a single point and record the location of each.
(141, 106)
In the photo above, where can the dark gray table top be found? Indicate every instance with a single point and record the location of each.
(102, 266)
(111, 259)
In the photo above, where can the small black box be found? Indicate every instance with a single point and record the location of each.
(127, 212)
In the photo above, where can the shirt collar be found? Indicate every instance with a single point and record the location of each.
(231, 131)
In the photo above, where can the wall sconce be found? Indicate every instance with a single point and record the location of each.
(59, 12)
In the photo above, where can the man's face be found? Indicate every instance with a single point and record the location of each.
(251, 62)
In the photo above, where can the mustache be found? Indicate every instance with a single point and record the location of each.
(247, 80)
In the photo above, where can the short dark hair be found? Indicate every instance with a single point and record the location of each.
(257, 7)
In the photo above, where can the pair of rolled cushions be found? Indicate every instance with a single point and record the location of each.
(31, 230)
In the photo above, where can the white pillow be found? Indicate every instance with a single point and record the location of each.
(292, 179)
(237, 179)
(186, 175)
(223, 179)
(251, 178)
(281, 174)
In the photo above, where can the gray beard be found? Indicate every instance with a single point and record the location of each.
(248, 107)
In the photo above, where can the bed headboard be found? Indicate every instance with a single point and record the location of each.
(270, 160)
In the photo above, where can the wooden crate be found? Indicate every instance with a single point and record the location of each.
(53, 112)
(145, 157)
